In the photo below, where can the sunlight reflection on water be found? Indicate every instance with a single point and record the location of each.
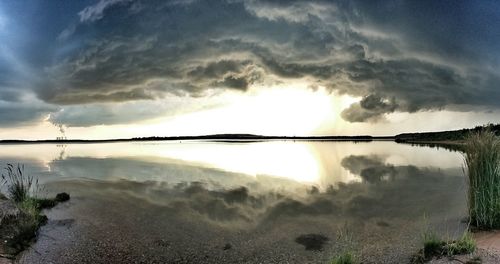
(257, 195)
(317, 163)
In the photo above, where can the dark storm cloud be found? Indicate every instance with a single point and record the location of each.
(164, 51)
(10, 96)
(19, 113)
(369, 108)
(398, 56)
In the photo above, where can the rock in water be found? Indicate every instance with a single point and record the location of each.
(62, 197)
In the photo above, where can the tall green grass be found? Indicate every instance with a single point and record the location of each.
(348, 253)
(19, 185)
(23, 190)
(464, 245)
(482, 161)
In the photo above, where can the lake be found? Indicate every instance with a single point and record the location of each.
(241, 202)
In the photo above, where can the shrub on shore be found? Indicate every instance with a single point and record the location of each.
(482, 161)
(18, 230)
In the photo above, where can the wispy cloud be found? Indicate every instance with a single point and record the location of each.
(96, 12)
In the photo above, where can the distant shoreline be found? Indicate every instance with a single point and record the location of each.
(450, 138)
(438, 142)
(221, 137)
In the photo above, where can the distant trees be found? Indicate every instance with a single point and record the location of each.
(454, 135)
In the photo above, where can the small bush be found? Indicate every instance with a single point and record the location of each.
(482, 160)
(345, 258)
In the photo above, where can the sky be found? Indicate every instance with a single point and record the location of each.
(130, 68)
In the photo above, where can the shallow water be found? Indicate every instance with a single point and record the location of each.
(215, 202)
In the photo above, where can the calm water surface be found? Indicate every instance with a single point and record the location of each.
(215, 202)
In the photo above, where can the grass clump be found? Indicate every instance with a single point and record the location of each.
(482, 161)
(19, 185)
(345, 258)
(434, 246)
(465, 245)
(348, 250)
(17, 230)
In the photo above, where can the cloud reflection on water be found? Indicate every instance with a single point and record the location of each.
(180, 193)
(386, 191)
(311, 163)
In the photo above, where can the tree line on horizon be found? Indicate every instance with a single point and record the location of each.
(451, 135)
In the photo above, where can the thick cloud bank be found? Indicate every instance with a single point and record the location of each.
(398, 56)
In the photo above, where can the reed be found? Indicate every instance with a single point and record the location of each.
(19, 185)
(482, 162)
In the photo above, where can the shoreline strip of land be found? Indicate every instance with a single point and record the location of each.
(443, 138)
(217, 137)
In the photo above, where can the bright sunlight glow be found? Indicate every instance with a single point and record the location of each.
(286, 111)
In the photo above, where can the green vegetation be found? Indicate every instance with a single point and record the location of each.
(18, 185)
(20, 229)
(482, 161)
(454, 135)
(20, 226)
(348, 247)
(464, 245)
(345, 258)
(434, 246)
